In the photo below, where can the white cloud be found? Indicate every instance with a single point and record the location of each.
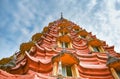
(109, 24)
(91, 5)
(97, 16)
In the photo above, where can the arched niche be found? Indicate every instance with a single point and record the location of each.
(76, 28)
(64, 41)
(82, 33)
(63, 31)
(95, 45)
(65, 64)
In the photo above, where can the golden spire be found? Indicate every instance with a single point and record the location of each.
(61, 15)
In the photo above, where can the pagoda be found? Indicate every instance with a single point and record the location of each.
(63, 50)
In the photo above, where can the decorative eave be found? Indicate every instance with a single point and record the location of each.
(64, 30)
(36, 60)
(95, 42)
(64, 23)
(109, 47)
(51, 24)
(76, 27)
(46, 29)
(83, 33)
(64, 38)
(36, 37)
(66, 58)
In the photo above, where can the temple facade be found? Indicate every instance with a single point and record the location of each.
(63, 50)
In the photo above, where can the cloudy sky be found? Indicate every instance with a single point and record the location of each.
(20, 19)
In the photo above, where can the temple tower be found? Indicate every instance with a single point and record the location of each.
(63, 50)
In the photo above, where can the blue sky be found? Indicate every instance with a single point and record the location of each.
(20, 19)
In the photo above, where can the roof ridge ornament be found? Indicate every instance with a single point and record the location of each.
(111, 59)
